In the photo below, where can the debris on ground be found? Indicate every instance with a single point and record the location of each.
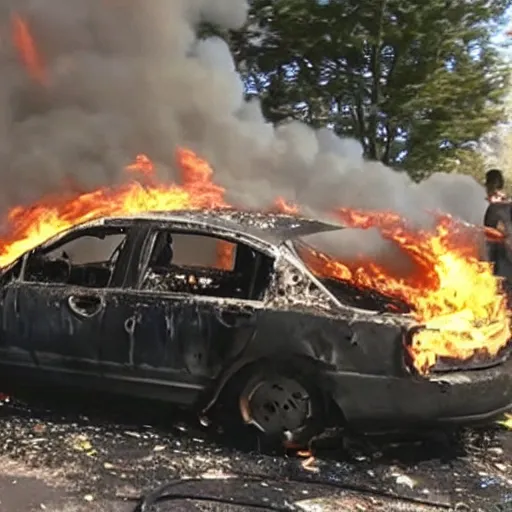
(108, 456)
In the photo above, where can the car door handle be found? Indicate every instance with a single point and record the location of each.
(85, 306)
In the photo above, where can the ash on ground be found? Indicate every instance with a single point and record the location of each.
(67, 454)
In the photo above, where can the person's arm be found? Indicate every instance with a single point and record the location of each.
(491, 216)
(492, 220)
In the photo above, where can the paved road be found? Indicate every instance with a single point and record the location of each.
(95, 454)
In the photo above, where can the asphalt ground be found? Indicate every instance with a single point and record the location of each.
(69, 452)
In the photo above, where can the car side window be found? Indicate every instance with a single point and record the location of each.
(205, 265)
(86, 258)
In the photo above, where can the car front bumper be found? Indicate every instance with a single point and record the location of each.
(452, 397)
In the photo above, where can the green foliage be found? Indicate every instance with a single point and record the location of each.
(416, 81)
(464, 161)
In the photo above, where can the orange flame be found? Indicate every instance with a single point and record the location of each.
(286, 207)
(451, 292)
(143, 167)
(32, 225)
(27, 49)
(225, 255)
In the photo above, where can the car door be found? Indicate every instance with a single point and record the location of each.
(182, 334)
(57, 306)
(139, 337)
(144, 359)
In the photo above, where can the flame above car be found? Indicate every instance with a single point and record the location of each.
(451, 292)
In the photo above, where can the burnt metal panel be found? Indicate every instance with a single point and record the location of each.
(180, 341)
(139, 349)
(44, 326)
(272, 228)
(341, 344)
(59, 324)
(378, 402)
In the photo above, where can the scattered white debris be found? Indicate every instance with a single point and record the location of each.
(132, 434)
(405, 480)
(500, 466)
(214, 474)
(310, 507)
(340, 504)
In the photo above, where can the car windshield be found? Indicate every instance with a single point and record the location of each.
(319, 261)
(336, 277)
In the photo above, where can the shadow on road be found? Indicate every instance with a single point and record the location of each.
(100, 409)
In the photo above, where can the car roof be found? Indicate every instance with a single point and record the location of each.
(273, 228)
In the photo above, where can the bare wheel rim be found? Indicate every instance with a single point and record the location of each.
(277, 405)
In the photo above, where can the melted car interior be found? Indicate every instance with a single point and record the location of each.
(199, 264)
(87, 259)
(172, 262)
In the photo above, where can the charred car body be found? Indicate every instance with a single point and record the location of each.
(262, 330)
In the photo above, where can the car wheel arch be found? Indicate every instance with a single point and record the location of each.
(299, 363)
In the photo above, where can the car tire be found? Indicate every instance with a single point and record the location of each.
(282, 406)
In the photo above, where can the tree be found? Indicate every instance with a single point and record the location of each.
(465, 161)
(496, 146)
(416, 81)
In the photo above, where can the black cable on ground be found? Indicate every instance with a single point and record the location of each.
(161, 494)
(363, 489)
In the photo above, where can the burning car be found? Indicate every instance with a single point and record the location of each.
(200, 307)
(97, 290)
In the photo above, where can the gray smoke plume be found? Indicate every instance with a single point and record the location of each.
(129, 76)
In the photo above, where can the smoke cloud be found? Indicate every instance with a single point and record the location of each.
(129, 76)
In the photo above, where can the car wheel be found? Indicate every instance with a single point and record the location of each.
(281, 406)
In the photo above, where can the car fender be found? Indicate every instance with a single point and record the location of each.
(291, 362)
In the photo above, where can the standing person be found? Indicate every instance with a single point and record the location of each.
(499, 216)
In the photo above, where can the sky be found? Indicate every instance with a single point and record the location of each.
(501, 36)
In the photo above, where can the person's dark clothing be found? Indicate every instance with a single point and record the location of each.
(498, 212)
(499, 216)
